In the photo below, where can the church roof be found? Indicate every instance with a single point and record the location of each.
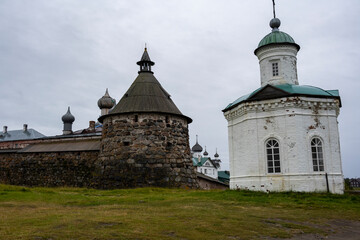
(146, 95)
(284, 90)
(202, 161)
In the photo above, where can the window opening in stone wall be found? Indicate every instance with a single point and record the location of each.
(167, 119)
(317, 155)
(136, 118)
(275, 69)
(273, 156)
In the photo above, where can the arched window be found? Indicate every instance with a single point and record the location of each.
(317, 155)
(273, 156)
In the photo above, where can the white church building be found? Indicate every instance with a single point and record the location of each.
(284, 136)
(203, 163)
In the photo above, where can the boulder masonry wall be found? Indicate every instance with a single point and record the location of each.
(140, 150)
(50, 169)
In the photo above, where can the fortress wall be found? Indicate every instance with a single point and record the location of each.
(48, 169)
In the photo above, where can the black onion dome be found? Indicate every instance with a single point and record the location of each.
(68, 117)
(197, 147)
(106, 101)
(206, 153)
(216, 155)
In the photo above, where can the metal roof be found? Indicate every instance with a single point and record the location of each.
(203, 160)
(69, 146)
(200, 175)
(224, 174)
(286, 90)
(16, 135)
(276, 37)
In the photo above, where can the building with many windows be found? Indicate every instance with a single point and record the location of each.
(284, 136)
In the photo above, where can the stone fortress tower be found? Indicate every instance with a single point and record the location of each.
(145, 140)
(284, 136)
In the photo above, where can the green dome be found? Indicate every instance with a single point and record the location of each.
(276, 37)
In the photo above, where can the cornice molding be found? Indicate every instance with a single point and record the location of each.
(315, 105)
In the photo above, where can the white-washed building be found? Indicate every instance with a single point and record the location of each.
(284, 136)
(203, 163)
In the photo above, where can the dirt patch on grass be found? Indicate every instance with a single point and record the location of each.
(332, 230)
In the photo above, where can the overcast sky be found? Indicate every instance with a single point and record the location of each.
(60, 53)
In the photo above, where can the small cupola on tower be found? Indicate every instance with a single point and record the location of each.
(145, 63)
(68, 120)
(277, 56)
(105, 103)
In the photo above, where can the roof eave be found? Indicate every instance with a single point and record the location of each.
(290, 95)
(101, 118)
(280, 43)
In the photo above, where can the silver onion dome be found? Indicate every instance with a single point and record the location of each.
(106, 101)
(68, 117)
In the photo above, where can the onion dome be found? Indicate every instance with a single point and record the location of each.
(68, 117)
(106, 101)
(197, 147)
(206, 153)
(216, 154)
(276, 36)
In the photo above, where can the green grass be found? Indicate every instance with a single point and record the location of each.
(156, 213)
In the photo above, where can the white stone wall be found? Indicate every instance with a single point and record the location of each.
(293, 122)
(285, 56)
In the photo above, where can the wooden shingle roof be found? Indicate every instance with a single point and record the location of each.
(146, 95)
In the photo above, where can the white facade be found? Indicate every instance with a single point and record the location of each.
(208, 169)
(284, 56)
(293, 122)
(284, 137)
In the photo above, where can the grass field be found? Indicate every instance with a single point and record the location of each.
(155, 213)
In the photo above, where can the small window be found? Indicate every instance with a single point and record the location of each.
(136, 119)
(273, 156)
(275, 69)
(317, 155)
(205, 171)
(167, 119)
